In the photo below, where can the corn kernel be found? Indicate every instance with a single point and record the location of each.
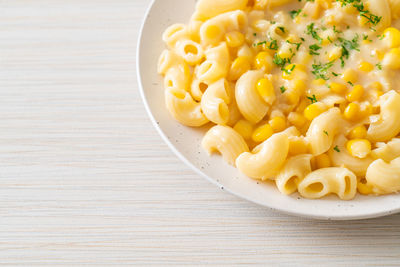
(298, 85)
(244, 128)
(366, 42)
(392, 37)
(351, 111)
(334, 54)
(298, 19)
(392, 59)
(377, 86)
(262, 133)
(263, 61)
(355, 94)
(288, 71)
(284, 53)
(323, 161)
(331, 20)
(325, 42)
(379, 54)
(239, 66)
(338, 88)
(362, 21)
(292, 96)
(278, 124)
(364, 189)
(297, 119)
(213, 32)
(318, 82)
(297, 146)
(365, 66)
(359, 148)
(350, 75)
(234, 39)
(358, 132)
(266, 90)
(314, 110)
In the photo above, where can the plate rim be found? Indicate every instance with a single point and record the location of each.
(280, 209)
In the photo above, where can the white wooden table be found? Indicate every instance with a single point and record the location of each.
(86, 180)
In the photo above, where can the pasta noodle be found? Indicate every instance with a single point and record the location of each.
(300, 92)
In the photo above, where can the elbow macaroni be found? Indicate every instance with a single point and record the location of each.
(226, 141)
(300, 92)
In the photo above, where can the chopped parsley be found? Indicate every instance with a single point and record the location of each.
(297, 44)
(295, 13)
(280, 62)
(335, 74)
(325, 132)
(273, 45)
(321, 70)
(336, 148)
(289, 71)
(283, 89)
(348, 45)
(313, 32)
(359, 5)
(313, 99)
(379, 66)
(314, 48)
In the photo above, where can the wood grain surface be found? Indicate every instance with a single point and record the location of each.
(86, 180)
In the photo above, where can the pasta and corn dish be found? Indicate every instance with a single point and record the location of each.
(300, 92)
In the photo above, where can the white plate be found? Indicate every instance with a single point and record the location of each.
(185, 142)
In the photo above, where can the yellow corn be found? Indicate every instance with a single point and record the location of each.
(213, 32)
(278, 124)
(362, 21)
(323, 161)
(288, 71)
(365, 66)
(334, 54)
(263, 61)
(350, 75)
(359, 148)
(239, 66)
(377, 86)
(338, 88)
(379, 54)
(297, 146)
(364, 189)
(391, 37)
(234, 39)
(351, 111)
(284, 53)
(318, 82)
(314, 110)
(298, 85)
(266, 90)
(244, 128)
(296, 119)
(292, 96)
(355, 94)
(262, 133)
(392, 59)
(358, 132)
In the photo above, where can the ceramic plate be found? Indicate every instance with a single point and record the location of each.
(185, 142)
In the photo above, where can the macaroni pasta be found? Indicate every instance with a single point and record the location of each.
(300, 92)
